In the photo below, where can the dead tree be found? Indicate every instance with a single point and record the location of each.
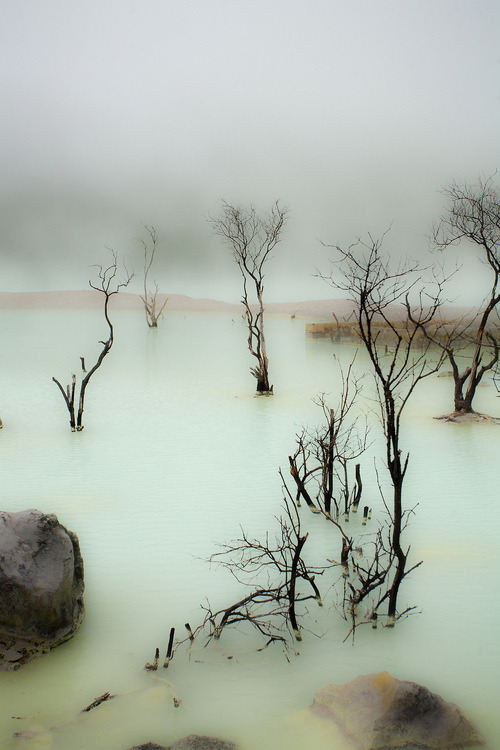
(252, 239)
(473, 217)
(323, 456)
(375, 288)
(150, 298)
(107, 285)
(279, 579)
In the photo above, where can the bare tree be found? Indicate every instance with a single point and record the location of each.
(323, 456)
(473, 217)
(280, 575)
(252, 239)
(279, 579)
(367, 277)
(108, 285)
(279, 572)
(150, 299)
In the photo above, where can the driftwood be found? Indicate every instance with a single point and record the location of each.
(97, 702)
(29, 734)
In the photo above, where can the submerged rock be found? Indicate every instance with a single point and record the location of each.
(192, 742)
(41, 585)
(200, 742)
(379, 712)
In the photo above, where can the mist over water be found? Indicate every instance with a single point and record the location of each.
(121, 113)
(118, 114)
(176, 454)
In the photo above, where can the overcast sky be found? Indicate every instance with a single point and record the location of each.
(119, 113)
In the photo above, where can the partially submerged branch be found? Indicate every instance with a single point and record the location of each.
(279, 579)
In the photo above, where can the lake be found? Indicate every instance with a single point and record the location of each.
(176, 455)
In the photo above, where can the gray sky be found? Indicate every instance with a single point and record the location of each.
(117, 113)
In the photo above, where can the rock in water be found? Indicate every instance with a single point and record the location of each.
(41, 585)
(379, 712)
(201, 742)
(192, 742)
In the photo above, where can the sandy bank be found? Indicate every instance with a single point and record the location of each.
(89, 300)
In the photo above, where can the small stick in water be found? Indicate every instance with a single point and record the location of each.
(154, 666)
(365, 515)
(97, 702)
(344, 558)
(190, 632)
(170, 648)
(359, 488)
(374, 619)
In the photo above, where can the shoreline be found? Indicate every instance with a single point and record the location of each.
(88, 299)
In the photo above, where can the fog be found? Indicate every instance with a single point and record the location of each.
(120, 113)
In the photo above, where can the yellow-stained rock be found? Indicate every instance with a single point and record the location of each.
(379, 712)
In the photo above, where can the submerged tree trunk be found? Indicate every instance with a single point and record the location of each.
(462, 403)
(397, 475)
(263, 385)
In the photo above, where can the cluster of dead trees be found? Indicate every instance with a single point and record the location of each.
(325, 476)
(369, 559)
(109, 283)
(372, 556)
(469, 343)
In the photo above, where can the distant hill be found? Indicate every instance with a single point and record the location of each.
(89, 299)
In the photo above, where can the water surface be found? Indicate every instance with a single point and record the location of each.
(176, 454)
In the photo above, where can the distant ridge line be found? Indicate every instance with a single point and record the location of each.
(88, 299)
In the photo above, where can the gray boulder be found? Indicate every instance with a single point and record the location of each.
(379, 712)
(192, 742)
(41, 585)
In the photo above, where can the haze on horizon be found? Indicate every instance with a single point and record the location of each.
(119, 113)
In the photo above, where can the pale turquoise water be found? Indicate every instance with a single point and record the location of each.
(175, 455)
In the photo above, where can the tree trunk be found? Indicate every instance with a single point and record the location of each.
(263, 375)
(463, 404)
(291, 588)
(397, 477)
(263, 383)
